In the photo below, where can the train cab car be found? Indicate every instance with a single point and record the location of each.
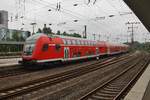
(41, 48)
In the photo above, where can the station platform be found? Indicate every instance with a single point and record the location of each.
(9, 62)
(141, 90)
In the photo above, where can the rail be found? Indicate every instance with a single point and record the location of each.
(57, 78)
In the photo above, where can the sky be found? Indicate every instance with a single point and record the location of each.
(105, 18)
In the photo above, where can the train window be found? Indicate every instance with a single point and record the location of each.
(58, 47)
(68, 42)
(78, 42)
(94, 43)
(65, 42)
(73, 42)
(84, 42)
(28, 49)
(89, 43)
(45, 47)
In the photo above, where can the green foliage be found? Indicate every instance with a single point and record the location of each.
(76, 35)
(39, 30)
(47, 30)
(10, 48)
(139, 46)
(58, 32)
(66, 34)
(15, 36)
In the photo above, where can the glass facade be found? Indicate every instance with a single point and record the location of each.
(13, 35)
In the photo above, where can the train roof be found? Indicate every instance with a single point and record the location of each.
(36, 36)
(69, 37)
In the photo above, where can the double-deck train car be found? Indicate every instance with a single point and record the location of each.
(41, 48)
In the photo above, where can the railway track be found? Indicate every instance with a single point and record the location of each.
(16, 70)
(116, 87)
(80, 87)
(19, 70)
(57, 78)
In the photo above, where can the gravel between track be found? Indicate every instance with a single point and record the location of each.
(19, 79)
(98, 77)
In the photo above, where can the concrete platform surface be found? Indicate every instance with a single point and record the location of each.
(8, 62)
(147, 93)
(138, 90)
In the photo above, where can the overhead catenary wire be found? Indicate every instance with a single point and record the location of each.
(53, 8)
(69, 13)
(74, 12)
(65, 12)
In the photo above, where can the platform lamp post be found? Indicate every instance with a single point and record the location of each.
(33, 27)
(85, 32)
(94, 36)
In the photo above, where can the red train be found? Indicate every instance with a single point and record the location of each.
(41, 48)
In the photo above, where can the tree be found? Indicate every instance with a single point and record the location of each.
(15, 36)
(22, 38)
(76, 35)
(39, 30)
(28, 33)
(65, 34)
(58, 32)
(47, 30)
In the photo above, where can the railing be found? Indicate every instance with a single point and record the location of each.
(11, 43)
(11, 48)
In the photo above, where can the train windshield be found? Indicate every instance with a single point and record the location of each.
(28, 49)
(30, 44)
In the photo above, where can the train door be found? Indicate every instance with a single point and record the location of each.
(66, 52)
(97, 51)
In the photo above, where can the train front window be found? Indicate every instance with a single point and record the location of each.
(28, 49)
(30, 44)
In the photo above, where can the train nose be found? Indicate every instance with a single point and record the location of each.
(28, 49)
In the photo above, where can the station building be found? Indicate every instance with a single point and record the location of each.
(3, 19)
